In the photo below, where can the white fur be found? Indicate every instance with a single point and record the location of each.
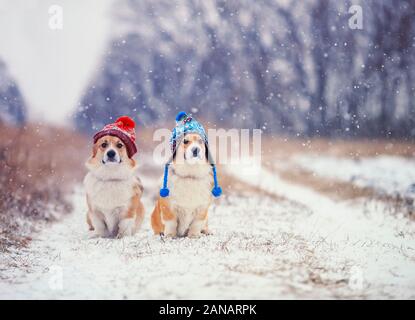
(100, 228)
(126, 227)
(196, 227)
(110, 189)
(190, 193)
(170, 228)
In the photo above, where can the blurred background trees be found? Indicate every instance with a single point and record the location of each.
(12, 105)
(287, 66)
(283, 66)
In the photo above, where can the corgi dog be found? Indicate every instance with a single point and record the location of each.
(182, 209)
(113, 190)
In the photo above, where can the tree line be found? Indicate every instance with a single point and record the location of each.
(294, 67)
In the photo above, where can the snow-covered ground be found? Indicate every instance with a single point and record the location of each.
(387, 174)
(306, 246)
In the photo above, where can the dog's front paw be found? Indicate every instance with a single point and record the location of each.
(170, 228)
(196, 229)
(125, 228)
(194, 234)
(98, 233)
(207, 232)
(93, 234)
(171, 234)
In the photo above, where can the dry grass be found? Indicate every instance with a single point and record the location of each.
(38, 167)
(283, 148)
(340, 190)
(337, 190)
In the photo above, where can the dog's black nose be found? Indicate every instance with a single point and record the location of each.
(195, 151)
(111, 154)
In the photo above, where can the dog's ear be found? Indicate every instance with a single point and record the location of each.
(92, 160)
(94, 150)
(133, 163)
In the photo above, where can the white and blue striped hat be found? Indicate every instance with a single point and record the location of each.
(187, 124)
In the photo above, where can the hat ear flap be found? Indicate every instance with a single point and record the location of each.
(173, 157)
(208, 156)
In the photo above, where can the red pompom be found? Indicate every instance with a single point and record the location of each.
(125, 122)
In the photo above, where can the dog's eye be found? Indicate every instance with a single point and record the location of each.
(119, 145)
(185, 141)
(104, 145)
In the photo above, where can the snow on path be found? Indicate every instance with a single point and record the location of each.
(380, 247)
(389, 175)
(251, 255)
(261, 248)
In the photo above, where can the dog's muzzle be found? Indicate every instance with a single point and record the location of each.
(193, 154)
(111, 156)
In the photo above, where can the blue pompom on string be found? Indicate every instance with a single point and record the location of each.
(164, 192)
(216, 191)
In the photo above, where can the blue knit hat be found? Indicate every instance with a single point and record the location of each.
(187, 124)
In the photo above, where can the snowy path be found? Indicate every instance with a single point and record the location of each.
(305, 247)
(378, 249)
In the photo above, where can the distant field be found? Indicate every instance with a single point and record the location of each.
(289, 146)
(348, 169)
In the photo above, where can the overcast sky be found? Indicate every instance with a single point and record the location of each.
(52, 67)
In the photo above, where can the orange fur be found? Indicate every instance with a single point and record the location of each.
(136, 208)
(161, 210)
(156, 223)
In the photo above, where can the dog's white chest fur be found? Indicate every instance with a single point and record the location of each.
(110, 187)
(107, 195)
(189, 194)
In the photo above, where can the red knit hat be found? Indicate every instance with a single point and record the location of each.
(124, 129)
